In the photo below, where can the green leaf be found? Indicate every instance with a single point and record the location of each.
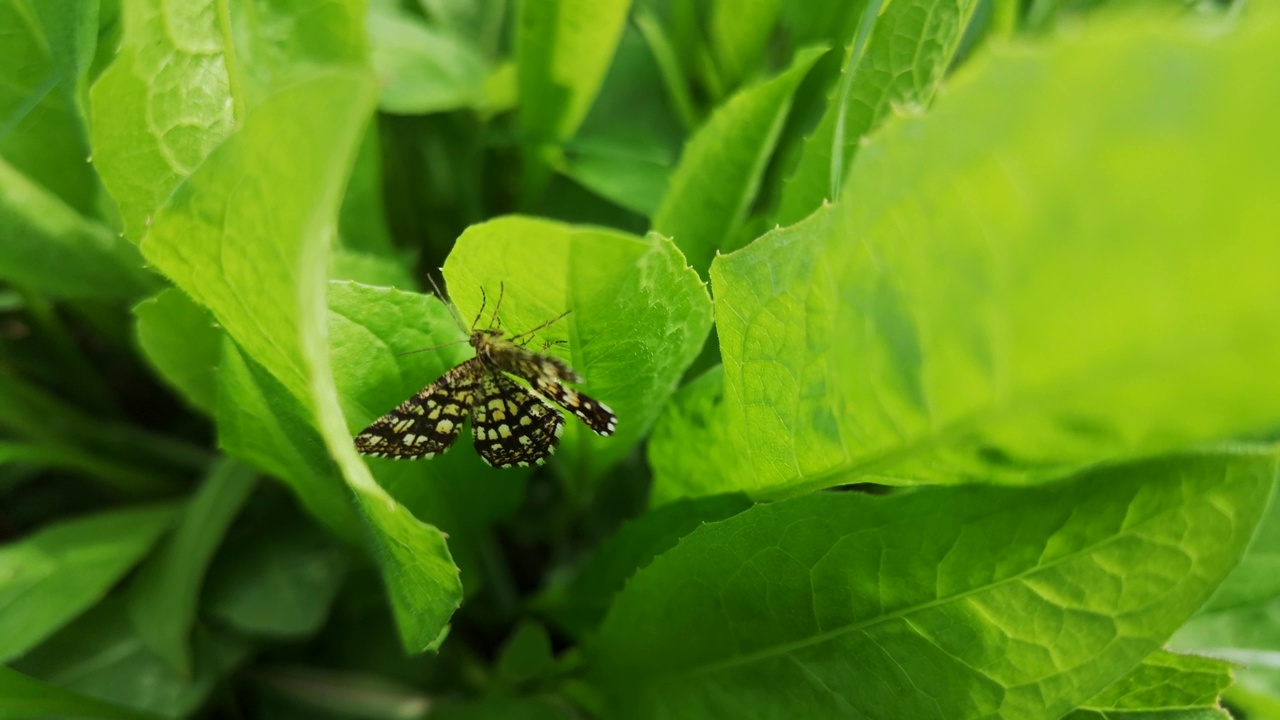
(100, 655)
(23, 698)
(719, 174)
(52, 576)
(163, 597)
(247, 236)
(1165, 686)
(46, 48)
(1257, 578)
(163, 105)
(526, 654)
(281, 42)
(638, 316)
(628, 143)
(1008, 602)
(960, 316)
(563, 50)
(423, 69)
(897, 58)
(740, 30)
(181, 341)
(582, 605)
(49, 247)
(278, 580)
(261, 423)
(373, 333)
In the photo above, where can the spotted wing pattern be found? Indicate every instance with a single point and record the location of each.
(510, 425)
(426, 424)
(548, 375)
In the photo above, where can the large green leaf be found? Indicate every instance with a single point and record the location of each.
(983, 304)
(163, 105)
(45, 51)
(163, 597)
(896, 58)
(180, 340)
(247, 235)
(52, 576)
(970, 602)
(719, 174)
(47, 246)
(638, 315)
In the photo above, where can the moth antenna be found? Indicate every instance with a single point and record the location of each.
(544, 326)
(457, 318)
(433, 347)
(502, 291)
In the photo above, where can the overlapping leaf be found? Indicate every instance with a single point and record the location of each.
(984, 305)
(944, 603)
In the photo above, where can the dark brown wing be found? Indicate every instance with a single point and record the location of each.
(548, 375)
(426, 424)
(512, 426)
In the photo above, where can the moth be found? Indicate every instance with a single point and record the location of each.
(511, 425)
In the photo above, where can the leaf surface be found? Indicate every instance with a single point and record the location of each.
(180, 340)
(247, 236)
(940, 602)
(983, 306)
(1166, 686)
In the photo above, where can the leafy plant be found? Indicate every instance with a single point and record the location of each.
(941, 334)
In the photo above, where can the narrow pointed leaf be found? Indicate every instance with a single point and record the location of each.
(719, 174)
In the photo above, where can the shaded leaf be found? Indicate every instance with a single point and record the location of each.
(22, 698)
(50, 577)
(1009, 602)
(1165, 686)
(163, 597)
(181, 341)
(49, 247)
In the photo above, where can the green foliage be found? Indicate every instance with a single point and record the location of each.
(940, 336)
(993, 604)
